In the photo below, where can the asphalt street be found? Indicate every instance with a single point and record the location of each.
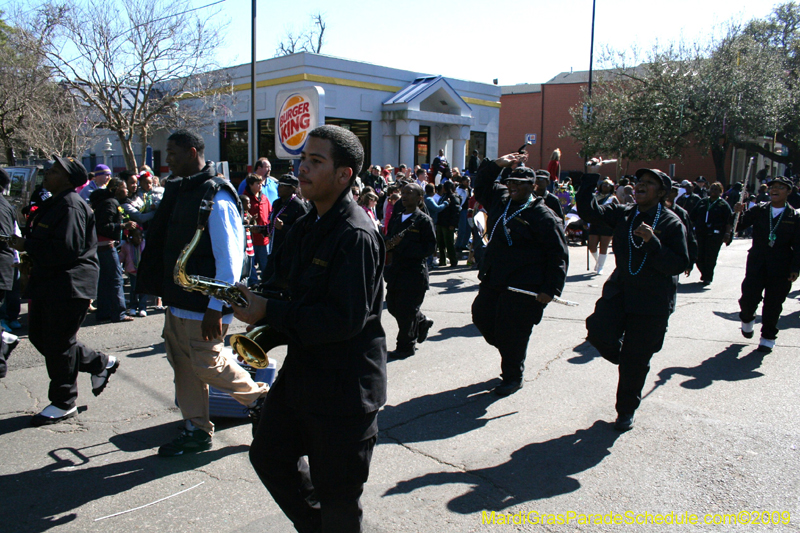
(717, 433)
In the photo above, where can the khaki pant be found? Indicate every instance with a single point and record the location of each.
(197, 364)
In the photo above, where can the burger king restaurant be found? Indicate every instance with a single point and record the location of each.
(399, 116)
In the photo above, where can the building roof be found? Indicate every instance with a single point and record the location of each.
(521, 88)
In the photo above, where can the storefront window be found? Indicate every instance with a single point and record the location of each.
(422, 147)
(233, 148)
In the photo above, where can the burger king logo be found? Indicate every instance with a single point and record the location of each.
(294, 123)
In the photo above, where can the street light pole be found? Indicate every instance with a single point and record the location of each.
(591, 52)
(253, 125)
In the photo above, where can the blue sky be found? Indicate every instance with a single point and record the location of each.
(514, 41)
(511, 40)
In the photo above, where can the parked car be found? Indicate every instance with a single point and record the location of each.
(24, 179)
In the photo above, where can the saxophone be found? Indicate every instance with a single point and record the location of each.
(221, 290)
(252, 347)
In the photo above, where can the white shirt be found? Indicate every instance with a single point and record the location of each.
(227, 242)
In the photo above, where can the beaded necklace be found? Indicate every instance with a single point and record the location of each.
(773, 226)
(506, 217)
(634, 245)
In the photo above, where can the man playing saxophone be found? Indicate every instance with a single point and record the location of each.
(195, 324)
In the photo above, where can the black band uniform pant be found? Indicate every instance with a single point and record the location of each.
(403, 303)
(774, 288)
(629, 339)
(322, 494)
(708, 247)
(506, 319)
(53, 329)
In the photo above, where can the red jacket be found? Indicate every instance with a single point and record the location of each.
(260, 208)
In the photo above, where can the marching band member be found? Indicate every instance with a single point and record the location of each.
(773, 261)
(630, 319)
(527, 250)
(324, 403)
(410, 240)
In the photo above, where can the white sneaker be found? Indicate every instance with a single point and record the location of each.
(142, 313)
(99, 381)
(766, 345)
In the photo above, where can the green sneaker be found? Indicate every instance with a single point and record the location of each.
(189, 442)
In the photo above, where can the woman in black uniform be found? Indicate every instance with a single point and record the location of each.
(630, 319)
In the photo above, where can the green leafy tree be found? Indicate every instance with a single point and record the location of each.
(684, 96)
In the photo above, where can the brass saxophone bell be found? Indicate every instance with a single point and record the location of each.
(253, 346)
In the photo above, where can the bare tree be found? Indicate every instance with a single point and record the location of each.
(139, 66)
(309, 39)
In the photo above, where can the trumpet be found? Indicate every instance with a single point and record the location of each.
(251, 347)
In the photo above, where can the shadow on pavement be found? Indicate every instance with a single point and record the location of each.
(536, 471)
(725, 366)
(586, 354)
(468, 330)
(32, 500)
(155, 349)
(455, 285)
(693, 287)
(465, 408)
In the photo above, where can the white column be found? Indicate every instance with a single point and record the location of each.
(389, 151)
(406, 130)
(459, 134)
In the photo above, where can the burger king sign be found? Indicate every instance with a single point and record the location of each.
(297, 112)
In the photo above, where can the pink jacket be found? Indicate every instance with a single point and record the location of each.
(130, 256)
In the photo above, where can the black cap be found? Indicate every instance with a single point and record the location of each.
(522, 174)
(288, 179)
(5, 179)
(542, 175)
(701, 179)
(785, 181)
(666, 182)
(75, 170)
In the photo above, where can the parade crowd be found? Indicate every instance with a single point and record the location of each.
(313, 257)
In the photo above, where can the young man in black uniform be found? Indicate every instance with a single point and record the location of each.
(630, 319)
(773, 262)
(550, 199)
(527, 250)
(285, 211)
(410, 240)
(712, 219)
(325, 401)
(63, 249)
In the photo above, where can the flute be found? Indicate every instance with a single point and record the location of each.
(556, 299)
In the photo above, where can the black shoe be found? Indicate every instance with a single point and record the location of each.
(255, 413)
(424, 328)
(747, 334)
(189, 442)
(52, 415)
(99, 381)
(395, 355)
(706, 283)
(507, 388)
(624, 422)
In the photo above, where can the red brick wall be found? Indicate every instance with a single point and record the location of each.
(547, 114)
(520, 114)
